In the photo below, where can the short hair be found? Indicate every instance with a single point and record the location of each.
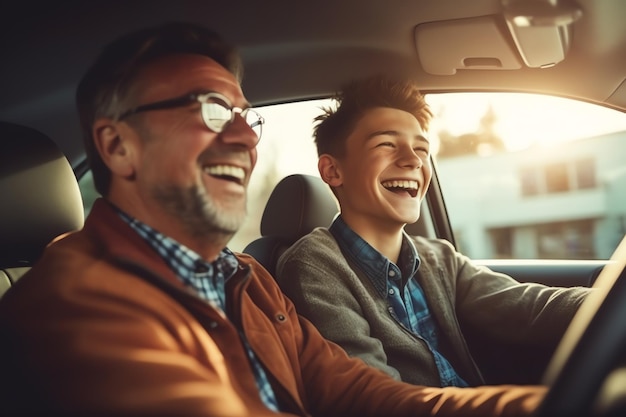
(355, 98)
(106, 86)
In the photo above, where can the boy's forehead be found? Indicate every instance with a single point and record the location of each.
(378, 119)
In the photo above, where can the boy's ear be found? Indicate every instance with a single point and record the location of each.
(330, 170)
(113, 149)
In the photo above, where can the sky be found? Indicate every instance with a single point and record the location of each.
(526, 119)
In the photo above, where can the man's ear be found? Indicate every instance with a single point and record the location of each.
(113, 149)
(330, 170)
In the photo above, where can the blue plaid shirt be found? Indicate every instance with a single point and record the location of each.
(405, 296)
(208, 280)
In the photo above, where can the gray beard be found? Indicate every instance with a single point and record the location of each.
(198, 213)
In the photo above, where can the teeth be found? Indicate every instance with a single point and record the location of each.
(226, 170)
(412, 185)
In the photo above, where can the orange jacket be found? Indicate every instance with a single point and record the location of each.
(101, 326)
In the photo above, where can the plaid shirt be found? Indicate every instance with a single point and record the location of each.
(208, 280)
(404, 294)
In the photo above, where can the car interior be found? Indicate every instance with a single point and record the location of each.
(300, 51)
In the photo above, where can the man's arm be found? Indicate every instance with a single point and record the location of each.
(89, 352)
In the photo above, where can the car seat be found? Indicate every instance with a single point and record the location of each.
(298, 204)
(40, 199)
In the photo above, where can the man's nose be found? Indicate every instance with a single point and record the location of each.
(238, 132)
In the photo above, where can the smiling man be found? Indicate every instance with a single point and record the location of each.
(402, 303)
(145, 311)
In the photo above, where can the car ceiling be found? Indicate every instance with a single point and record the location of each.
(295, 49)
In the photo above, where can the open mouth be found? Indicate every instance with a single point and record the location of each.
(402, 186)
(227, 173)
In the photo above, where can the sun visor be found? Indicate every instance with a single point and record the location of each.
(444, 48)
(518, 38)
(541, 29)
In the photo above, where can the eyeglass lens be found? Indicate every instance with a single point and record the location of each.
(217, 117)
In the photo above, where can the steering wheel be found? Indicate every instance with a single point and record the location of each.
(587, 374)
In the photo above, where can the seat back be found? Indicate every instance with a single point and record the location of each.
(298, 204)
(40, 199)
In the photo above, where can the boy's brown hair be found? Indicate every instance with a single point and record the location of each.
(355, 98)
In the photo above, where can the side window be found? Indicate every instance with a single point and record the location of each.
(286, 147)
(528, 176)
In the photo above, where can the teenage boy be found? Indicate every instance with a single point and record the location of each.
(399, 302)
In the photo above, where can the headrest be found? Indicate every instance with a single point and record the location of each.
(298, 204)
(39, 193)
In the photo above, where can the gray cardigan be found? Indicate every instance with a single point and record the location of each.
(348, 310)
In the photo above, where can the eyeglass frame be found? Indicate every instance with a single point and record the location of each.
(201, 98)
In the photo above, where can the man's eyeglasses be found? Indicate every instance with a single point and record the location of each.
(216, 110)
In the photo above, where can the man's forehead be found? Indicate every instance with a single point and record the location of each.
(183, 73)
